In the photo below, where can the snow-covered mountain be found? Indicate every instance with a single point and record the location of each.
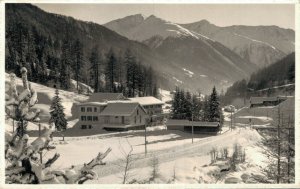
(138, 27)
(261, 45)
(186, 50)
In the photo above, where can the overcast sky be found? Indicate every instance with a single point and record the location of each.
(282, 15)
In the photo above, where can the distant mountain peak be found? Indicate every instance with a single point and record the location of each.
(153, 18)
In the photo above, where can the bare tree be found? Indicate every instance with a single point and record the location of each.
(224, 152)
(279, 148)
(126, 163)
(154, 163)
(174, 173)
(213, 154)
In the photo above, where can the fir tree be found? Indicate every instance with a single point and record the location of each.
(130, 62)
(196, 108)
(215, 112)
(94, 70)
(23, 163)
(110, 72)
(78, 61)
(65, 72)
(175, 104)
(57, 113)
(188, 105)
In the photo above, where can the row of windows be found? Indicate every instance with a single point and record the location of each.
(86, 127)
(152, 106)
(88, 109)
(89, 118)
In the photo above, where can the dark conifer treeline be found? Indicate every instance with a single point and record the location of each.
(51, 60)
(190, 106)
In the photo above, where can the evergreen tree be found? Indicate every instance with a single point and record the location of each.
(57, 113)
(188, 105)
(65, 72)
(196, 108)
(205, 113)
(215, 112)
(95, 69)
(175, 104)
(23, 158)
(181, 107)
(79, 62)
(110, 71)
(130, 62)
(140, 77)
(291, 73)
(19, 106)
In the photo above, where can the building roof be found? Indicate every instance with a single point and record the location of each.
(260, 100)
(103, 97)
(147, 100)
(120, 109)
(92, 104)
(183, 122)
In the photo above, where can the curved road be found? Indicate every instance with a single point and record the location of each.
(200, 148)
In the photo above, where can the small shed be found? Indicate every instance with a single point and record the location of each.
(200, 127)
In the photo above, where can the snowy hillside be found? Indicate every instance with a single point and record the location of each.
(45, 95)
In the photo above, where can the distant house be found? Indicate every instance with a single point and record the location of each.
(104, 97)
(153, 107)
(199, 126)
(89, 114)
(123, 116)
(265, 101)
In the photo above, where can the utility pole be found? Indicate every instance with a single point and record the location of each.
(231, 120)
(289, 151)
(41, 158)
(278, 147)
(146, 137)
(192, 128)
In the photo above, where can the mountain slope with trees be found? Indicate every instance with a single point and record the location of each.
(280, 73)
(55, 48)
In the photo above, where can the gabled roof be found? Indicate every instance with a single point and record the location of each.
(103, 97)
(147, 100)
(120, 109)
(180, 122)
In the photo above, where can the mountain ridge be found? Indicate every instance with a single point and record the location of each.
(261, 45)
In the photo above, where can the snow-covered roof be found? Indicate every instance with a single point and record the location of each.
(92, 104)
(147, 100)
(183, 122)
(120, 109)
(103, 97)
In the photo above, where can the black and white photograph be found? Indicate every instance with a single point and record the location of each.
(145, 94)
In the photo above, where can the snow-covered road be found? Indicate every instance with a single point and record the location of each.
(202, 147)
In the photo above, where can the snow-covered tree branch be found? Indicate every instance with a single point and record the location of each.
(23, 159)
